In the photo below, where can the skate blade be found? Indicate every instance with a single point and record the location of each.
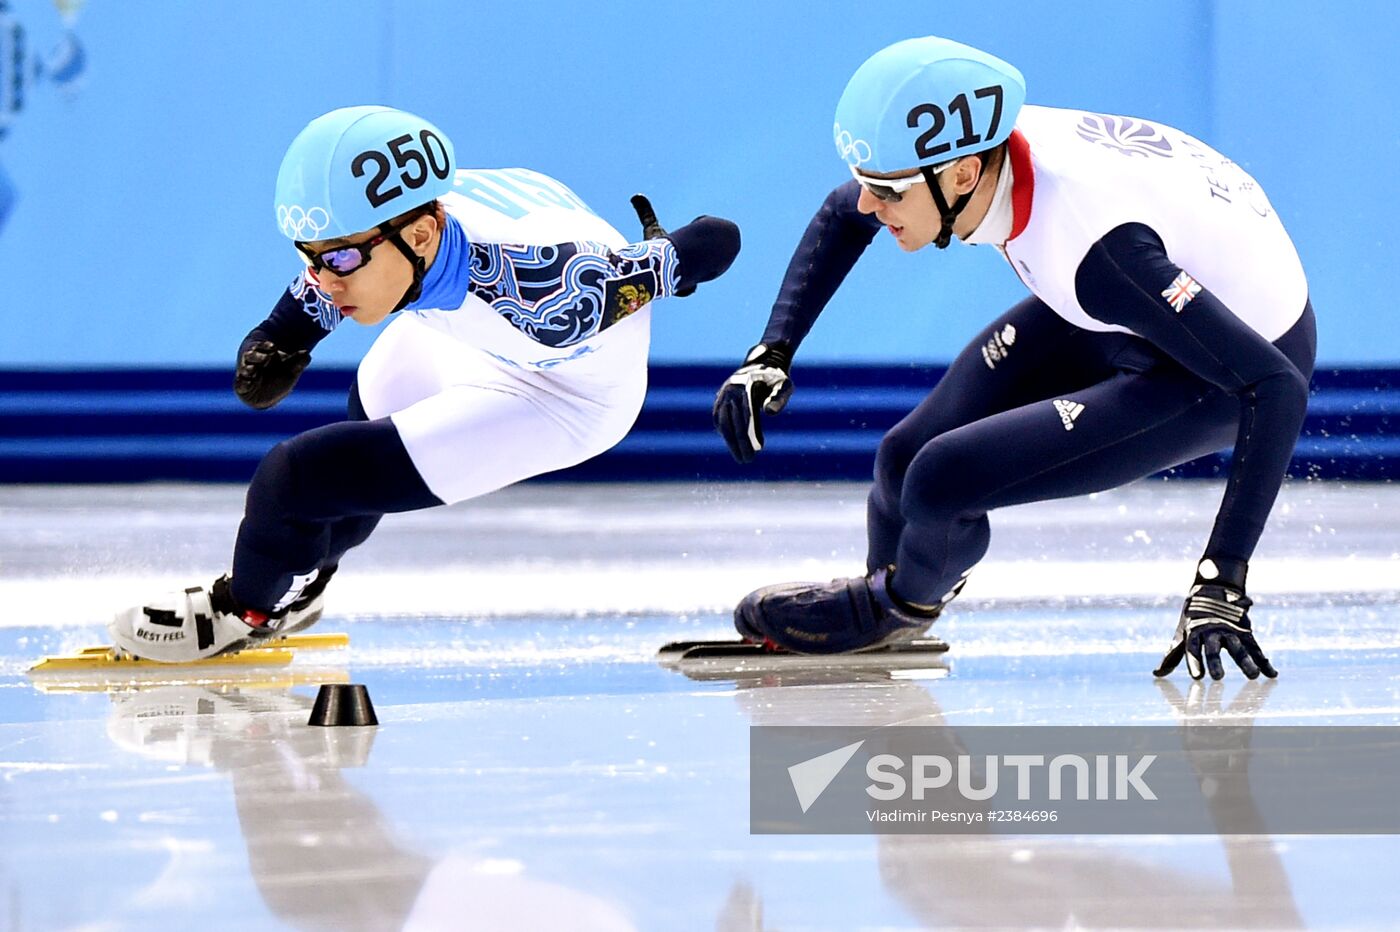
(748, 665)
(748, 656)
(275, 652)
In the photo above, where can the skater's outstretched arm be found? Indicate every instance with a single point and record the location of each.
(562, 294)
(833, 241)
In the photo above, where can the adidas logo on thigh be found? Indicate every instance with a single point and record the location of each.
(1069, 410)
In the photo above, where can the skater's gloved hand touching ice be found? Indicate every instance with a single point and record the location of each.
(760, 386)
(1216, 615)
(265, 374)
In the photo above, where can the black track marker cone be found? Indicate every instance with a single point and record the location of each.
(343, 704)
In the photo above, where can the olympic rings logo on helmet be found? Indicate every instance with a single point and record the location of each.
(300, 224)
(855, 152)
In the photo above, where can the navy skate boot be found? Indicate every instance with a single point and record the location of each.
(842, 616)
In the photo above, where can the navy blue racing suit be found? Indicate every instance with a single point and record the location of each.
(1169, 319)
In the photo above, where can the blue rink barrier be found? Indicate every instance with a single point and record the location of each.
(112, 425)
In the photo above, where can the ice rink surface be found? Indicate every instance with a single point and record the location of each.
(536, 768)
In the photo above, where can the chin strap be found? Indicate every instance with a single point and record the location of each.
(420, 268)
(949, 215)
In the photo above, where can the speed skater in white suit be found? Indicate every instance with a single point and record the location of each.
(1168, 318)
(518, 346)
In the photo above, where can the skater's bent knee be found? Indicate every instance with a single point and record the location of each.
(275, 485)
(942, 481)
(892, 460)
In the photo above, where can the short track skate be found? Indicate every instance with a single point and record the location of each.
(749, 657)
(273, 652)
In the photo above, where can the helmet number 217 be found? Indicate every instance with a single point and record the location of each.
(924, 147)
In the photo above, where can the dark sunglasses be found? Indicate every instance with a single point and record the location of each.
(342, 260)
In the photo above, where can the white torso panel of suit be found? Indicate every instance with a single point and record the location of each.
(540, 361)
(1093, 173)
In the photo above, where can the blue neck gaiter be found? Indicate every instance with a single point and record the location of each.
(445, 283)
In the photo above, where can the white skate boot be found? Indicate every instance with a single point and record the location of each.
(182, 627)
(199, 623)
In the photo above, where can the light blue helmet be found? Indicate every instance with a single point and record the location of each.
(923, 102)
(358, 167)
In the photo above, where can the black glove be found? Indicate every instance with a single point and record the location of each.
(705, 247)
(761, 384)
(1216, 614)
(266, 374)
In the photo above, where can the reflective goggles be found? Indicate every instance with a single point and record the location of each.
(891, 190)
(342, 260)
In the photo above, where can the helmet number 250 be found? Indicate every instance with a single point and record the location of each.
(432, 158)
(924, 147)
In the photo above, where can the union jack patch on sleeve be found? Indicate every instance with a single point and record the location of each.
(1180, 292)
